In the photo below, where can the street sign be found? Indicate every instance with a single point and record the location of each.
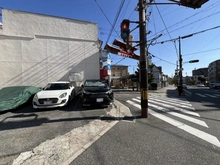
(109, 72)
(109, 61)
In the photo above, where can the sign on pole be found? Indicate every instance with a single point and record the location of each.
(109, 64)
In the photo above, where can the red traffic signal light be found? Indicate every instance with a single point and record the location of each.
(193, 3)
(125, 31)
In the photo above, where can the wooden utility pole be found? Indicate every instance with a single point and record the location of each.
(142, 60)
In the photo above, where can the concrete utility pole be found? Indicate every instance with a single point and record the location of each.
(142, 61)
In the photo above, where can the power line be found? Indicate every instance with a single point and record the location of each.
(105, 16)
(204, 10)
(116, 18)
(167, 30)
(189, 35)
(201, 52)
(163, 59)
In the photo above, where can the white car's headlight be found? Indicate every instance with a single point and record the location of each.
(35, 97)
(63, 95)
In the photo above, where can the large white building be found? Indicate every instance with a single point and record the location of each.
(36, 49)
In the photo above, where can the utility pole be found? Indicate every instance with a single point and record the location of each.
(181, 70)
(142, 61)
(177, 73)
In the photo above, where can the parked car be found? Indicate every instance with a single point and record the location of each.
(200, 85)
(15, 96)
(214, 86)
(54, 94)
(96, 92)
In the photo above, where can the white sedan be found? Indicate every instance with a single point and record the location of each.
(55, 94)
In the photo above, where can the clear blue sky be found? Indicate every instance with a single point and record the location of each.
(171, 21)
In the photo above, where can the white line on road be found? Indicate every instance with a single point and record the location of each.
(187, 91)
(193, 120)
(217, 95)
(177, 103)
(200, 95)
(174, 101)
(210, 95)
(175, 108)
(200, 134)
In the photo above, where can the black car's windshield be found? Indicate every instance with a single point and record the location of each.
(60, 86)
(95, 84)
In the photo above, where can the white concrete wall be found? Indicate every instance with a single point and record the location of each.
(36, 49)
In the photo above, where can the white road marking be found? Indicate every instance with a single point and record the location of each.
(217, 95)
(177, 103)
(210, 95)
(193, 120)
(175, 108)
(170, 100)
(200, 134)
(200, 95)
(187, 91)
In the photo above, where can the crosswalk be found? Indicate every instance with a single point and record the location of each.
(208, 95)
(171, 110)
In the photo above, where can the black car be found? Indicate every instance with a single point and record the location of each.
(96, 92)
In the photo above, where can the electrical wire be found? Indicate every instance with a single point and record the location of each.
(180, 22)
(167, 30)
(189, 35)
(162, 59)
(116, 18)
(106, 18)
(201, 52)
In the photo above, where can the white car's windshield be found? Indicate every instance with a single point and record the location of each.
(56, 86)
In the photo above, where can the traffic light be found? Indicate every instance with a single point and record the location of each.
(125, 31)
(193, 61)
(193, 3)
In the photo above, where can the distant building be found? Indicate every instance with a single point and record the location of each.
(214, 71)
(118, 71)
(201, 72)
(186, 80)
(157, 72)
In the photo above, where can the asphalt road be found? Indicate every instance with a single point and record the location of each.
(207, 102)
(179, 130)
(23, 129)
